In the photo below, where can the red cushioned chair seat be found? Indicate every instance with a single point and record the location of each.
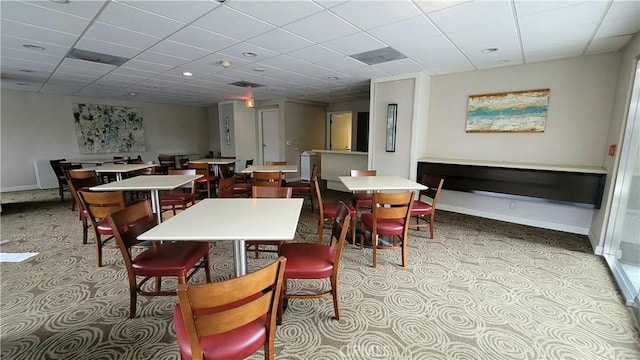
(170, 259)
(236, 344)
(204, 179)
(300, 186)
(330, 210)
(307, 261)
(362, 200)
(176, 198)
(420, 208)
(242, 188)
(385, 226)
(104, 228)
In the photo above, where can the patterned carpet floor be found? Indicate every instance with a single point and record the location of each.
(481, 289)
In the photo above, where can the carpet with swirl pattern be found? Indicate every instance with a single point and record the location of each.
(481, 289)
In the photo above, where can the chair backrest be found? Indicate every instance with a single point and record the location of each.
(81, 179)
(224, 171)
(100, 204)
(127, 224)
(167, 160)
(60, 167)
(222, 306)
(316, 189)
(339, 232)
(271, 192)
(248, 163)
(275, 163)
(267, 178)
(434, 185)
(190, 185)
(363, 172)
(121, 159)
(209, 155)
(201, 168)
(148, 171)
(225, 187)
(392, 206)
(55, 165)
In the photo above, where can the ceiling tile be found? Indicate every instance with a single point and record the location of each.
(280, 41)
(354, 44)
(28, 64)
(146, 66)
(141, 74)
(107, 48)
(88, 66)
(398, 67)
(322, 27)
(608, 44)
(371, 14)
(240, 48)
(224, 20)
(175, 49)
(433, 50)
(43, 17)
(120, 36)
(277, 12)
(37, 33)
(12, 42)
(142, 21)
(501, 35)
(181, 10)
(203, 39)
(471, 14)
(406, 30)
(553, 52)
(84, 9)
(428, 6)
(161, 59)
(27, 55)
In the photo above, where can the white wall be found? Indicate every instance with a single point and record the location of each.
(40, 127)
(304, 130)
(578, 120)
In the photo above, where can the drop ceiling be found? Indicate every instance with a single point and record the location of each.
(294, 49)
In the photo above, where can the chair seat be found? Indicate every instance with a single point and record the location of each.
(239, 343)
(385, 226)
(205, 179)
(362, 200)
(104, 228)
(300, 186)
(265, 242)
(421, 208)
(330, 210)
(307, 261)
(176, 198)
(242, 187)
(170, 259)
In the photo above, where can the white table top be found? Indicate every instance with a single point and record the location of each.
(282, 168)
(119, 168)
(231, 219)
(379, 183)
(216, 161)
(147, 182)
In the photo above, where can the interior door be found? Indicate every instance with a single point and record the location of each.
(270, 120)
(339, 131)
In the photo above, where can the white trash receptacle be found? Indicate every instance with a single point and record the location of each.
(307, 160)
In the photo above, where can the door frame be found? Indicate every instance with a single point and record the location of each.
(260, 148)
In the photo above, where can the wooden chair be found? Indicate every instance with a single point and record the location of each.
(180, 259)
(426, 211)
(59, 167)
(307, 261)
(82, 180)
(390, 216)
(362, 200)
(328, 212)
(244, 177)
(230, 319)
(225, 188)
(242, 189)
(99, 205)
(207, 180)
(267, 178)
(168, 161)
(267, 192)
(182, 197)
(271, 163)
(304, 188)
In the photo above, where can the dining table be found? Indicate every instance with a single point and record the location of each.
(281, 168)
(119, 169)
(151, 183)
(232, 219)
(96, 162)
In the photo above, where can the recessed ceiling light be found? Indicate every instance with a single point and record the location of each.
(488, 50)
(249, 54)
(333, 78)
(187, 73)
(26, 70)
(60, 1)
(21, 84)
(503, 61)
(133, 94)
(258, 69)
(33, 47)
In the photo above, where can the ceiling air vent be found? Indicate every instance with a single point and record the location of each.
(246, 84)
(378, 56)
(96, 57)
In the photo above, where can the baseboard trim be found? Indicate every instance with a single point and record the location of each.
(20, 188)
(517, 220)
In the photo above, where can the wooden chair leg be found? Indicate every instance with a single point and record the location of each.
(207, 269)
(320, 230)
(334, 293)
(133, 298)
(374, 247)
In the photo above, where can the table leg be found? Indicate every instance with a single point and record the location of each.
(118, 176)
(240, 257)
(155, 204)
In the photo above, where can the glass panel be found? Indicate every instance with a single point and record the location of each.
(623, 236)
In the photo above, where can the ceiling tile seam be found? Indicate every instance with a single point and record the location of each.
(516, 22)
(51, 9)
(91, 22)
(597, 27)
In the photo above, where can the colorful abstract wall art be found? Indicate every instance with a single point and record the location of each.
(520, 111)
(108, 129)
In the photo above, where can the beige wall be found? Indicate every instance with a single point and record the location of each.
(304, 130)
(40, 127)
(580, 104)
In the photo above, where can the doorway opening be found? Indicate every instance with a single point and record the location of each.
(339, 127)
